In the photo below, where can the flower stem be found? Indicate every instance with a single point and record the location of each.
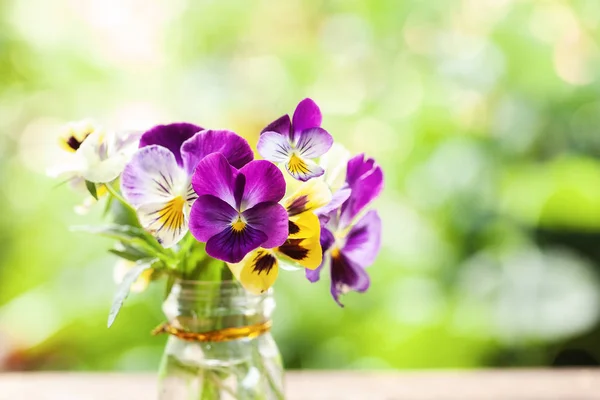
(219, 383)
(259, 363)
(117, 196)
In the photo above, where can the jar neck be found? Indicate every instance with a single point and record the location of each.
(202, 306)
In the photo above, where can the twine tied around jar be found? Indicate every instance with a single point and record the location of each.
(219, 335)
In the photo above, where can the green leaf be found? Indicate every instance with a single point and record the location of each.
(123, 289)
(132, 250)
(122, 215)
(131, 254)
(169, 286)
(113, 231)
(61, 183)
(107, 206)
(132, 236)
(91, 187)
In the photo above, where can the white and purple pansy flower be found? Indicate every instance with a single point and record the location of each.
(92, 153)
(297, 142)
(350, 242)
(157, 180)
(237, 210)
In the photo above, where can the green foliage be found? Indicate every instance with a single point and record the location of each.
(91, 187)
(136, 241)
(123, 289)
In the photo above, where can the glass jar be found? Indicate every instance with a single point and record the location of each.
(219, 345)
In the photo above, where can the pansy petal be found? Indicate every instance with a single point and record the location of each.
(170, 136)
(104, 171)
(307, 115)
(93, 143)
(364, 240)
(166, 221)
(264, 182)
(337, 200)
(231, 246)
(210, 216)
(313, 142)
(306, 251)
(270, 218)
(69, 168)
(327, 239)
(235, 148)
(152, 176)
(310, 196)
(365, 178)
(257, 272)
(214, 176)
(304, 225)
(94, 167)
(73, 134)
(335, 162)
(281, 125)
(190, 194)
(313, 275)
(127, 141)
(330, 220)
(274, 147)
(303, 169)
(346, 276)
(357, 166)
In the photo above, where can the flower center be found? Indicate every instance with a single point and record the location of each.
(335, 252)
(238, 225)
(73, 140)
(297, 165)
(172, 214)
(340, 240)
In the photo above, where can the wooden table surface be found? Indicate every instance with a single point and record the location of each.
(316, 385)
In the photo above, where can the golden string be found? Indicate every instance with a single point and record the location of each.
(220, 335)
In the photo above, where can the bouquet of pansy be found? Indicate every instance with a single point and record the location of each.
(189, 203)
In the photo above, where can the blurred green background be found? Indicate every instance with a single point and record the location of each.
(485, 115)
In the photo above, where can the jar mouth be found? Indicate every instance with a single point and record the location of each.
(188, 287)
(194, 282)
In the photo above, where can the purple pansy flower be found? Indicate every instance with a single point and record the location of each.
(351, 246)
(297, 142)
(157, 181)
(237, 210)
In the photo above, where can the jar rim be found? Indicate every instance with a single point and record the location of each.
(198, 282)
(232, 287)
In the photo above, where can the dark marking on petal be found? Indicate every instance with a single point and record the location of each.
(281, 150)
(293, 249)
(293, 228)
(298, 206)
(263, 262)
(238, 190)
(346, 275)
(162, 188)
(74, 143)
(167, 181)
(305, 146)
